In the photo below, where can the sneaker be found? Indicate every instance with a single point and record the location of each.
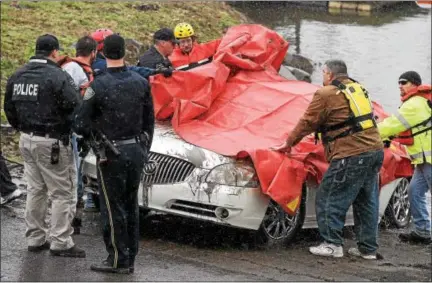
(72, 252)
(40, 248)
(10, 197)
(327, 249)
(415, 238)
(356, 252)
(105, 266)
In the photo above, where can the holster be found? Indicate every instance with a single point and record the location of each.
(144, 138)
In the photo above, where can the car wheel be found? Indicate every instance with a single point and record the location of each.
(278, 227)
(398, 210)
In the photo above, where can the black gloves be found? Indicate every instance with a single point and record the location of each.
(167, 72)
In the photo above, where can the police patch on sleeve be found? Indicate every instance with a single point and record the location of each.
(89, 93)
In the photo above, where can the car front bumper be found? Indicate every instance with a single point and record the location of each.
(240, 207)
(225, 205)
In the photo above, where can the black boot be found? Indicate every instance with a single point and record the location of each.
(72, 252)
(40, 248)
(105, 266)
(415, 238)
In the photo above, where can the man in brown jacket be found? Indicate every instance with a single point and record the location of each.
(355, 157)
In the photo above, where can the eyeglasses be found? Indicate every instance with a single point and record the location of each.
(403, 82)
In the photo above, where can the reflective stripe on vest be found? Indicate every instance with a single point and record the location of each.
(421, 154)
(403, 121)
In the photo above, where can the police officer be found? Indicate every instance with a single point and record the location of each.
(119, 106)
(40, 100)
(157, 56)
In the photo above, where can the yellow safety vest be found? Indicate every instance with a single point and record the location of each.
(411, 113)
(361, 112)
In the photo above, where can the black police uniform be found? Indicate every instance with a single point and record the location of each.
(118, 104)
(154, 60)
(40, 98)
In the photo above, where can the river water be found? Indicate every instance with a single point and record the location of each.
(377, 47)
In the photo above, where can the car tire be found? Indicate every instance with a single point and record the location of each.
(398, 213)
(269, 235)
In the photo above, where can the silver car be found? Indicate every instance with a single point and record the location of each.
(189, 181)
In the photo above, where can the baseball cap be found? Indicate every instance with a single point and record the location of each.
(47, 43)
(114, 47)
(412, 77)
(165, 34)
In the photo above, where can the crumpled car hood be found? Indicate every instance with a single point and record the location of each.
(166, 141)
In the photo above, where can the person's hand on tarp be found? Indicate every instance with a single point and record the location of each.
(284, 148)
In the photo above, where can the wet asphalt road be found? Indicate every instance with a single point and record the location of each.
(173, 249)
(17, 264)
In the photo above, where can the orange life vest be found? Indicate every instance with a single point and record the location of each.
(201, 53)
(407, 137)
(86, 67)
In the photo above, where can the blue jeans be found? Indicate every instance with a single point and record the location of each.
(351, 181)
(80, 189)
(419, 185)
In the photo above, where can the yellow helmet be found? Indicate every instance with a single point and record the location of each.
(183, 30)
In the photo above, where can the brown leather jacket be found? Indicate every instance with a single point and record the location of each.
(328, 108)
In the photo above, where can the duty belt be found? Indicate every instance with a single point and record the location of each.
(125, 142)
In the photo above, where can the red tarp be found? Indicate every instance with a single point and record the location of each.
(238, 105)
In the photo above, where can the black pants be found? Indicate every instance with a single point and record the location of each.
(119, 180)
(6, 184)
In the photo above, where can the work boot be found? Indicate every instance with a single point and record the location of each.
(415, 238)
(11, 196)
(72, 252)
(105, 266)
(35, 249)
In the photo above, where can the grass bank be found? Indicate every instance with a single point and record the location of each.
(69, 20)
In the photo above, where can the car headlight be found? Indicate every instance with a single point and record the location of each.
(231, 174)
